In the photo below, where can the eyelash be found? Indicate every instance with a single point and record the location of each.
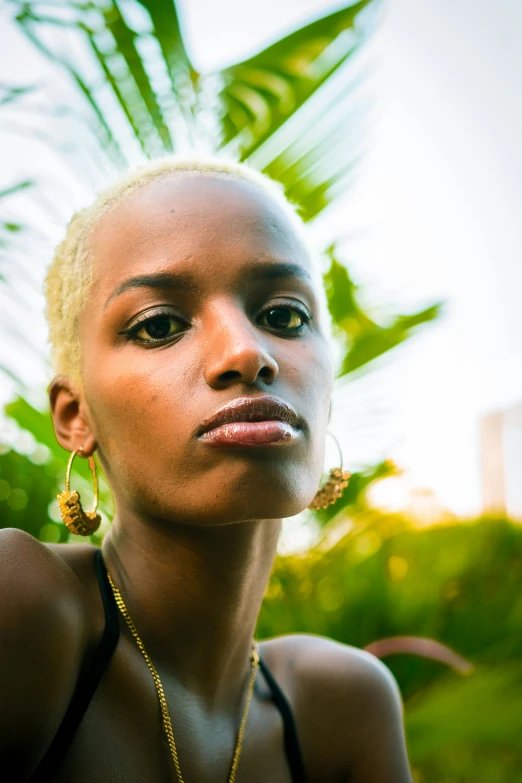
(130, 333)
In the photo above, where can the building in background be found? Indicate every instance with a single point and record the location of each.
(501, 462)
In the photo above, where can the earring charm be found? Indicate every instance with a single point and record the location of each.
(78, 521)
(333, 488)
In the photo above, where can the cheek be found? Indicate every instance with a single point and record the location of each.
(311, 373)
(308, 374)
(140, 425)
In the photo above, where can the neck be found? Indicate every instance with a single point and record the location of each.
(194, 593)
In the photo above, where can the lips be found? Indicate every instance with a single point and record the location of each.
(251, 409)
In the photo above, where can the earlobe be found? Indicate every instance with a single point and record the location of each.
(70, 426)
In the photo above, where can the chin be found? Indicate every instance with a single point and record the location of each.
(270, 506)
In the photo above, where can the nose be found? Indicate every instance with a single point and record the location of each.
(235, 352)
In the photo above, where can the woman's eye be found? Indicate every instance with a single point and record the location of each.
(285, 318)
(159, 327)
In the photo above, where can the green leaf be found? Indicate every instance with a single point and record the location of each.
(364, 339)
(341, 294)
(9, 94)
(166, 28)
(125, 73)
(262, 92)
(32, 25)
(37, 423)
(373, 341)
(27, 183)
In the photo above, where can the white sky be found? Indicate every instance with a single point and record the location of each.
(437, 209)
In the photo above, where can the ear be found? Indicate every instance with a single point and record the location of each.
(70, 419)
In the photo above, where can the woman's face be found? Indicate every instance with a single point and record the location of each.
(202, 256)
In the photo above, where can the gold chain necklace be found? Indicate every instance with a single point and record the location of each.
(167, 725)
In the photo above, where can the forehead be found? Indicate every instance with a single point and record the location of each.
(212, 223)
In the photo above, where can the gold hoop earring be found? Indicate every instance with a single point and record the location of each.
(333, 488)
(79, 522)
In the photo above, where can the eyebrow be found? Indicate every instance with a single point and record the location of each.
(185, 281)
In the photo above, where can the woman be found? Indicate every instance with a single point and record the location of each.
(190, 340)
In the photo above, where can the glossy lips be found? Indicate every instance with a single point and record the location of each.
(251, 421)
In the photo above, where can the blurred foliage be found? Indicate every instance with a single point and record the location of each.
(384, 578)
(456, 583)
(141, 58)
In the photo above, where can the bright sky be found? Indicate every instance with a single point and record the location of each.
(437, 212)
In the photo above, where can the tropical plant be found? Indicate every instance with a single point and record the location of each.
(383, 580)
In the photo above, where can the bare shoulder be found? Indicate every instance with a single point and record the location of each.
(346, 701)
(323, 671)
(42, 641)
(32, 574)
(324, 659)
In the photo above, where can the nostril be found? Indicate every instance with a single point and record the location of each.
(230, 374)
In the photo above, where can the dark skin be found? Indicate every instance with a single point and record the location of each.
(192, 543)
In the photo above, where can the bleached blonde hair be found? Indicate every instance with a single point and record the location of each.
(70, 273)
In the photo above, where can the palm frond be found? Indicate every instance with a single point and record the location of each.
(262, 92)
(363, 339)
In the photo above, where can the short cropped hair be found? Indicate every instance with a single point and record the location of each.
(70, 273)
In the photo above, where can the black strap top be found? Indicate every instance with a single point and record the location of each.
(87, 686)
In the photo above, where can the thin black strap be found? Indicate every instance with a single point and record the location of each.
(291, 740)
(87, 685)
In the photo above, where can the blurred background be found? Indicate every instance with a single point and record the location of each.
(396, 127)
